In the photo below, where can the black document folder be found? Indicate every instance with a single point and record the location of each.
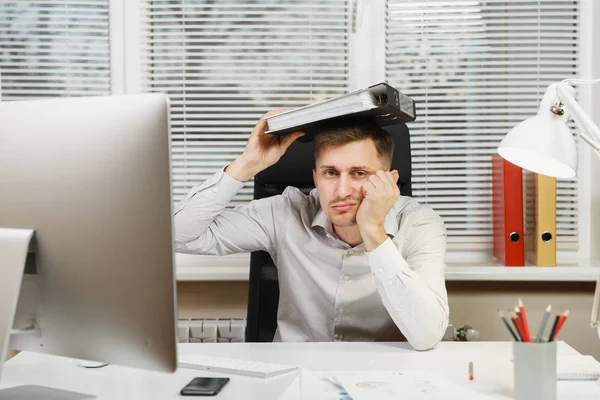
(382, 103)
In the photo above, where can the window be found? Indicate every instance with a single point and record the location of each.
(225, 63)
(54, 48)
(476, 69)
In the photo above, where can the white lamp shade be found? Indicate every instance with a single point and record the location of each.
(542, 144)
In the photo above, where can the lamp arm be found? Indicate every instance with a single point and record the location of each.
(583, 120)
(595, 318)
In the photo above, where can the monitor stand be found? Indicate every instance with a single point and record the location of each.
(14, 245)
(31, 392)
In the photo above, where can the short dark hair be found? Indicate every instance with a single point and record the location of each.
(344, 132)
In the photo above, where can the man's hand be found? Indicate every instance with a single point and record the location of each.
(262, 150)
(380, 193)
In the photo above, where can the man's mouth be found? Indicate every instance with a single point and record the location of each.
(342, 207)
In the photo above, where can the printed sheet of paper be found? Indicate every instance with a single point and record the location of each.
(310, 385)
(414, 385)
(380, 385)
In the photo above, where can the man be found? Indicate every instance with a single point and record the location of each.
(356, 261)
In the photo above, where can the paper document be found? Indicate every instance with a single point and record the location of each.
(380, 385)
(414, 385)
(310, 385)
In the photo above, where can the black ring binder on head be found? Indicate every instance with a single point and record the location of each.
(382, 103)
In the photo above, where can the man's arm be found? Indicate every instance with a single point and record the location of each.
(204, 225)
(413, 290)
(202, 222)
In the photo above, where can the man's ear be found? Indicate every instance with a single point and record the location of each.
(315, 177)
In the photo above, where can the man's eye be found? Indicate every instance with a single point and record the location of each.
(360, 174)
(329, 173)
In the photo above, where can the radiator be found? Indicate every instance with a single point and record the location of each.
(233, 331)
(211, 330)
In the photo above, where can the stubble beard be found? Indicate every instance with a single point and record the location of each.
(342, 220)
(343, 224)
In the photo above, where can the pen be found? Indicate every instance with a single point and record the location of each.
(561, 322)
(513, 320)
(543, 323)
(553, 327)
(519, 326)
(518, 312)
(471, 376)
(512, 333)
(524, 317)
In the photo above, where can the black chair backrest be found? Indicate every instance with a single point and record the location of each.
(295, 169)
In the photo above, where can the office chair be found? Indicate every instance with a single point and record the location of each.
(295, 169)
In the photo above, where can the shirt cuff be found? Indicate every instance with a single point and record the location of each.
(219, 188)
(387, 264)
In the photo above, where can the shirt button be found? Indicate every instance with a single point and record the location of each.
(341, 336)
(341, 310)
(346, 277)
(351, 252)
(215, 190)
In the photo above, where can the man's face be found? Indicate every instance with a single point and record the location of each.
(339, 176)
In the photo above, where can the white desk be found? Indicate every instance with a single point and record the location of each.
(492, 367)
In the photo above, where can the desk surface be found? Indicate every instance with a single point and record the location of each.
(492, 369)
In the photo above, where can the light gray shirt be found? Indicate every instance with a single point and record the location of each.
(329, 291)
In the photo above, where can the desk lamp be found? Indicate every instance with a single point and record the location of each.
(544, 144)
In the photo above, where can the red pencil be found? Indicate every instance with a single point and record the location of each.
(520, 319)
(519, 325)
(561, 321)
(524, 317)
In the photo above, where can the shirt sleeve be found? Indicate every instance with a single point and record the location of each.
(204, 225)
(413, 290)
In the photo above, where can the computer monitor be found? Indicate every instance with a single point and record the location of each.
(91, 177)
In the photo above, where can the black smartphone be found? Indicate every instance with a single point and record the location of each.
(204, 386)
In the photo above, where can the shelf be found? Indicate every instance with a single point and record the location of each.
(191, 267)
(538, 274)
(236, 268)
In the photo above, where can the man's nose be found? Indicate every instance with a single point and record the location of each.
(344, 188)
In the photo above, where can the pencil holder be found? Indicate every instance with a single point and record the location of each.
(534, 370)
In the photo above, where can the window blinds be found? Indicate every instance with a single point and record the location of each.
(476, 69)
(54, 48)
(225, 63)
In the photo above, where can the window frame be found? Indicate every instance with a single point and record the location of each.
(125, 45)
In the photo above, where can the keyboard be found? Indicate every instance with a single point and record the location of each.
(233, 366)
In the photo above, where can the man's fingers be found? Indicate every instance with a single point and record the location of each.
(260, 128)
(385, 179)
(393, 176)
(261, 125)
(367, 187)
(274, 112)
(375, 181)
